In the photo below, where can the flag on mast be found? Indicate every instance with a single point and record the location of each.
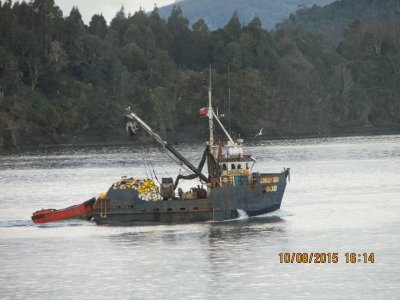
(203, 111)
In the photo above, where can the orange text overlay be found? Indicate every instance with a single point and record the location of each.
(326, 257)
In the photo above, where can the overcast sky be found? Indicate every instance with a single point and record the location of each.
(108, 8)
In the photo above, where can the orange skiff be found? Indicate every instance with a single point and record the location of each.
(83, 210)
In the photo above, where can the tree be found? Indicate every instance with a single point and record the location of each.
(98, 26)
(199, 54)
(74, 35)
(233, 27)
(219, 57)
(159, 29)
(74, 30)
(178, 28)
(234, 56)
(58, 56)
(10, 75)
(118, 24)
(133, 58)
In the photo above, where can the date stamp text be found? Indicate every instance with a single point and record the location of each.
(325, 257)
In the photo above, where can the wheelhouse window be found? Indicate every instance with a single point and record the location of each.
(233, 167)
(247, 166)
(224, 167)
(239, 166)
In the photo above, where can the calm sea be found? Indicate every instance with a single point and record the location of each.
(344, 197)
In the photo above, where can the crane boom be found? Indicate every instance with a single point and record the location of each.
(164, 143)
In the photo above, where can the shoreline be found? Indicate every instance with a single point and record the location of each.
(121, 139)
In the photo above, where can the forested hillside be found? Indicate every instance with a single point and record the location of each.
(217, 13)
(60, 78)
(333, 19)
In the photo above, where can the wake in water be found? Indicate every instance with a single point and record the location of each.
(278, 213)
(29, 223)
(242, 215)
(16, 223)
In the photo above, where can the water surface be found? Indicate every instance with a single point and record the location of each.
(343, 197)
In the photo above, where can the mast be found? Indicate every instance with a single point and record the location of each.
(165, 144)
(210, 117)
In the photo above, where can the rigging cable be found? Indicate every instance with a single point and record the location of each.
(152, 171)
(143, 157)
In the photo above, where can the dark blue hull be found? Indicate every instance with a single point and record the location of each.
(222, 203)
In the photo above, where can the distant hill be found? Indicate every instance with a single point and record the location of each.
(216, 14)
(332, 19)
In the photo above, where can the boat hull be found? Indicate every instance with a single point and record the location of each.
(80, 211)
(222, 203)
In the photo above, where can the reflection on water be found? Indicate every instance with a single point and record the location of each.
(343, 197)
(212, 231)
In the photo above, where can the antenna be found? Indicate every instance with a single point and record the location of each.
(229, 100)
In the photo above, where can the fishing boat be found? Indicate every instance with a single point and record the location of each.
(79, 211)
(230, 187)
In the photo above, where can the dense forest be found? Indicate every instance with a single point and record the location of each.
(61, 79)
(217, 13)
(333, 19)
